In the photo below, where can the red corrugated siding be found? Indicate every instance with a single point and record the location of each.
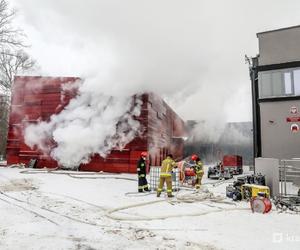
(232, 160)
(40, 97)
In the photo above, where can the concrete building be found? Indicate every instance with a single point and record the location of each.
(275, 76)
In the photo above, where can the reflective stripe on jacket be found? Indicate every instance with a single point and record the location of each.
(167, 166)
(141, 167)
(199, 167)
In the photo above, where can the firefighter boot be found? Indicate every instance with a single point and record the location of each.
(158, 194)
(170, 195)
(146, 188)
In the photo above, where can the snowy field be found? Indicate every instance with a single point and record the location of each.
(75, 210)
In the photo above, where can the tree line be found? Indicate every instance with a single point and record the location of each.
(13, 60)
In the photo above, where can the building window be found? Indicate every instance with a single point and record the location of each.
(288, 83)
(296, 74)
(279, 83)
(265, 84)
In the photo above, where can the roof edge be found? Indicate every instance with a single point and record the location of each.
(275, 30)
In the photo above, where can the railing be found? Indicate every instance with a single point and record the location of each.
(289, 177)
(154, 178)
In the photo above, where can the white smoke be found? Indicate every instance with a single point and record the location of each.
(92, 123)
(214, 132)
(207, 132)
(191, 52)
(233, 136)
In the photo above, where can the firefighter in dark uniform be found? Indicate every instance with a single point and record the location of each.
(198, 168)
(141, 170)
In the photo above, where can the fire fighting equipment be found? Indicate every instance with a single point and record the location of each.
(247, 187)
(260, 205)
(233, 163)
(189, 176)
(251, 190)
(291, 203)
(219, 172)
(229, 191)
(192, 172)
(142, 181)
(189, 171)
(166, 175)
(257, 179)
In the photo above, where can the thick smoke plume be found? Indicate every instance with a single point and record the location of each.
(92, 123)
(190, 52)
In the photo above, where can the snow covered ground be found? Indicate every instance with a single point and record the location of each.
(74, 210)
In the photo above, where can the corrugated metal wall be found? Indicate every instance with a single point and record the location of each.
(37, 98)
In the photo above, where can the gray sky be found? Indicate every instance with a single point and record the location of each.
(190, 52)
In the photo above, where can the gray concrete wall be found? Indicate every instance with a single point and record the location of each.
(277, 140)
(279, 46)
(270, 168)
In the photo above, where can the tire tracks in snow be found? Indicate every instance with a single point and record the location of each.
(8, 201)
(48, 214)
(42, 212)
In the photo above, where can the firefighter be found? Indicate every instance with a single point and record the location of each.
(198, 168)
(141, 170)
(166, 175)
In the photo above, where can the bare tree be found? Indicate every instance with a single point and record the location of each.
(9, 36)
(13, 60)
(12, 63)
(4, 106)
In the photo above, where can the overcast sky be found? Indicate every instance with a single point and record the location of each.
(189, 51)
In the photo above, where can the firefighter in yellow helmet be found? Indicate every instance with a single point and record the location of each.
(198, 168)
(166, 175)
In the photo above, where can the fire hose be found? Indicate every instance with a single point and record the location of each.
(79, 175)
(98, 175)
(186, 198)
(194, 197)
(180, 198)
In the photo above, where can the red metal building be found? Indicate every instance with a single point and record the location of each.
(37, 98)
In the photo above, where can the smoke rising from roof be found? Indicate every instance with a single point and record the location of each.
(190, 52)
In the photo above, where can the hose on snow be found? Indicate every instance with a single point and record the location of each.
(183, 198)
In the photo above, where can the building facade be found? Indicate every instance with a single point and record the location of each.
(275, 77)
(35, 99)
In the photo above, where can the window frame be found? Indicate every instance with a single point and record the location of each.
(282, 77)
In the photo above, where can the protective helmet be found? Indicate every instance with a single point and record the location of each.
(144, 154)
(194, 157)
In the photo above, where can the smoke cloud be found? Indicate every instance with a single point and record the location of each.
(189, 52)
(91, 123)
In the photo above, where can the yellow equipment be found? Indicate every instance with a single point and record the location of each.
(252, 190)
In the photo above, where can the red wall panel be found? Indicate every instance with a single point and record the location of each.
(37, 98)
